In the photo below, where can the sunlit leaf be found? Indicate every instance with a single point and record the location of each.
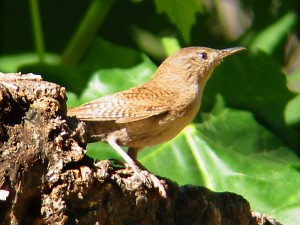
(268, 39)
(181, 13)
(12, 63)
(292, 111)
(232, 152)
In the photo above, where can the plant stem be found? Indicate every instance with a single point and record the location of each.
(37, 29)
(86, 31)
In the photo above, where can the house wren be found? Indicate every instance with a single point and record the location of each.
(153, 112)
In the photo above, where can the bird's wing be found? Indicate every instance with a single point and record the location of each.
(127, 106)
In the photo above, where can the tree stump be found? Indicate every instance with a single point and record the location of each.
(46, 178)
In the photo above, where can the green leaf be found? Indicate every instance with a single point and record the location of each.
(50, 69)
(107, 81)
(254, 82)
(111, 68)
(181, 13)
(170, 44)
(12, 63)
(232, 152)
(292, 111)
(103, 54)
(268, 39)
(294, 81)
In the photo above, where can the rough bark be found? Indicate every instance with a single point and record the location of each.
(46, 178)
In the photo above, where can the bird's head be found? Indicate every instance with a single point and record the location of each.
(192, 64)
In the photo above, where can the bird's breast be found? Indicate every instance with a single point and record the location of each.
(164, 127)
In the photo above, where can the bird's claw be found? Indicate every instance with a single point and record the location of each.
(150, 180)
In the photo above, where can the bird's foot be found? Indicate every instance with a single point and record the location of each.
(149, 179)
(157, 184)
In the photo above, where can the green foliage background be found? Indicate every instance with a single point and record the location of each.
(246, 137)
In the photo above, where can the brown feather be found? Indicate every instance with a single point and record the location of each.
(127, 106)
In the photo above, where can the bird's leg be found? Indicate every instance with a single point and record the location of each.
(133, 152)
(112, 141)
(132, 163)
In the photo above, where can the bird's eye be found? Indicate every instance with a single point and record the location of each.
(203, 55)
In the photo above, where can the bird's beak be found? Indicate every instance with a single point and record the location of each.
(229, 51)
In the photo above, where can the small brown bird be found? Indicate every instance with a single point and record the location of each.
(156, 111)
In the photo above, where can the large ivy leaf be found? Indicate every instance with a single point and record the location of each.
(231, 151)
(256, 83)
(181, 13)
